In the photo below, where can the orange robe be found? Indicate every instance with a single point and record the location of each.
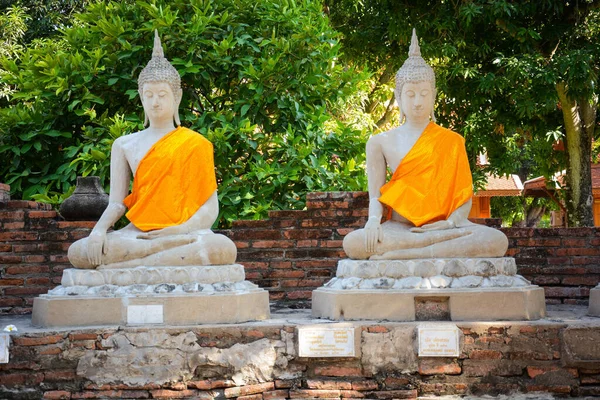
(173, 180)
(433, 179)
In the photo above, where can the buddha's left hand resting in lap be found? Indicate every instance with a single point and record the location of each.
(173, 202)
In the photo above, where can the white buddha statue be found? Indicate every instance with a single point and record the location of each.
(173, 203)
(429, 195)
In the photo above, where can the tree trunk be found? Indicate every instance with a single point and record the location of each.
(579, 118)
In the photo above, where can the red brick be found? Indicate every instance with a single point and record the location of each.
(254, 333)
(438, 366)
(38, 281)
(75, 224)
(112, 394)
(485, 355)
(249, 389)
(307, 243)
(27, 270)
(338, 371)
(316, 264)
(37, 341)
(395, 394)
(314, 394)
(299, 294)
(285, 274)
(551, 389)
(83, 336)
(172, 394)
(392, 382)
(581, 280)
(303, 234)
(21, 379)
(10, 259)
(60, 375)
(325, 384)
(11, 282)
(270, 244)
(365, 385)
(276, 394)
(242, 245)
(57, 395)
(566, 291)
(534, 371)
(12, 215)
(41, 214)
(377, 329)
(281, 264)
(25, 290)
(13, 225)
(210, 384)
(11, 301)
(528, 329)
(283, 384)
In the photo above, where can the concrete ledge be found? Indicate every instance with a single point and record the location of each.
(188, 309)
(493, 304)
(594, 310)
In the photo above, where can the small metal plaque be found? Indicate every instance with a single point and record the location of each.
(439, 341)
(317, 341)
(4, 345)
(145, 314)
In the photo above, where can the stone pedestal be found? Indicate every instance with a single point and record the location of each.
(429, 289)
(185, 295)
(594, 309)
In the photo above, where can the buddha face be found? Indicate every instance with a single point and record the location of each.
(159, 102)
(416, 101)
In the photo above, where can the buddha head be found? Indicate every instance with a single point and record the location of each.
(162, 84)
(419, 76)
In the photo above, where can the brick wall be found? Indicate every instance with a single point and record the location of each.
(33, 248)
(290, 254)
(498, 358)
(565, 261)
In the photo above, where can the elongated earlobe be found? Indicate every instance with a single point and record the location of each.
(146, 121)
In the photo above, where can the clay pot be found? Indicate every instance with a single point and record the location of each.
(88, 201)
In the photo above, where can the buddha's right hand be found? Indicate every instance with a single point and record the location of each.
(373, 234)
(96, 247)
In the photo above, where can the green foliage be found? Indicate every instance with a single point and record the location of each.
(496, 62)
(260, 80)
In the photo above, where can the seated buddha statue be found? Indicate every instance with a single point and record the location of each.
(173, 202)
(428, 197)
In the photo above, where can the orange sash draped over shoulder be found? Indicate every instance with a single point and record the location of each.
(173, 180)
(432, 180)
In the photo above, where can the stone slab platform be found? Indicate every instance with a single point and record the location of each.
(187, 309)
(595, 302)
(489, 304)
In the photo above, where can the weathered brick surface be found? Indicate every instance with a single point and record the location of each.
(498, 358)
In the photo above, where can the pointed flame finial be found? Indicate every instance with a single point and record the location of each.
(414, 50)
(157, 51)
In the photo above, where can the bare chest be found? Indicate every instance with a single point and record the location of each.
(396, 146)
(136, 149)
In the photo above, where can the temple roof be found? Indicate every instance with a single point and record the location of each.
(501, 186)
(539, 187)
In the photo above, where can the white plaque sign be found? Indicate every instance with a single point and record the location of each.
(145, 314)
(4, 344)
(439, 341)
(317, 341)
